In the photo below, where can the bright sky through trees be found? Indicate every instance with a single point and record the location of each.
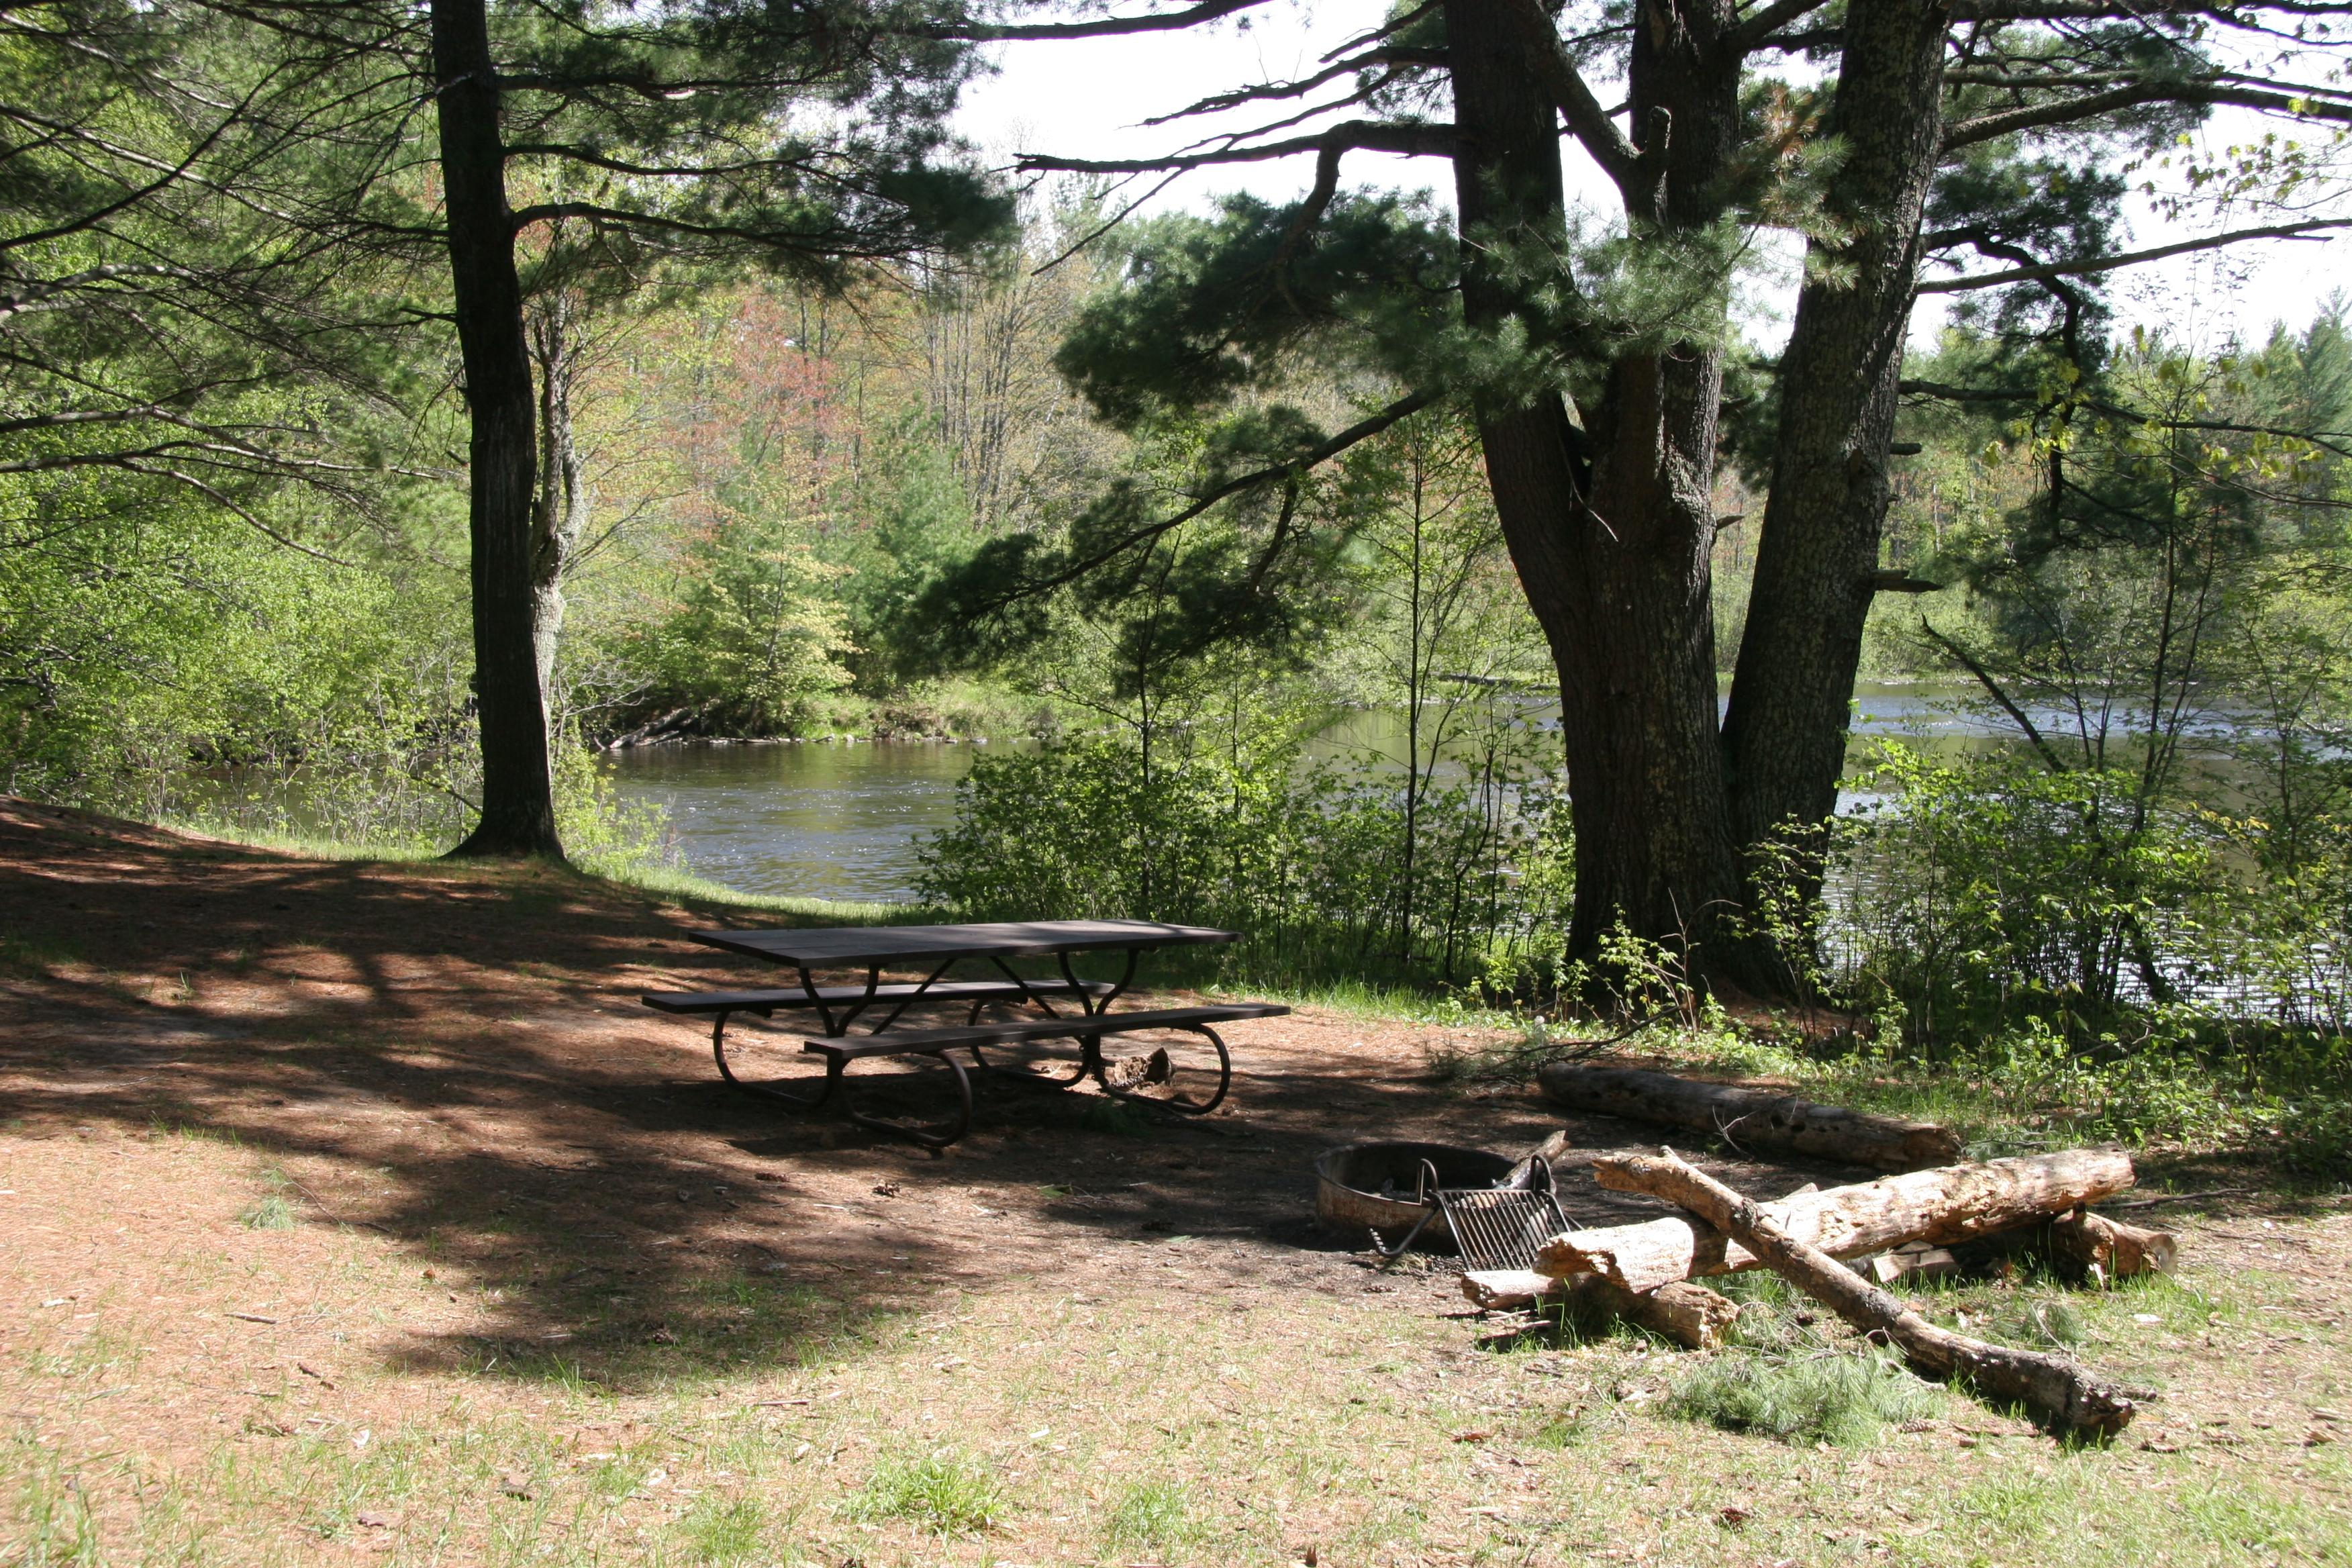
(1089, 97)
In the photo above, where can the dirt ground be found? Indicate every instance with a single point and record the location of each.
(358, 1210)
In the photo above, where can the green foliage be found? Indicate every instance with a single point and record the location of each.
(1825, 1397)
(754, 632)
(1235, 827)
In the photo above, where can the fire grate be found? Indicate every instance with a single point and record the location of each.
(1494, 1227)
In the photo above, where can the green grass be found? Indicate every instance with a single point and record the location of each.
(270, 1211)
(1824, 1396)
(1154, 1517)
(723, 1530)
(946, 1493)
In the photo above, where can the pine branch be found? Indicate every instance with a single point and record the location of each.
(1362, 430)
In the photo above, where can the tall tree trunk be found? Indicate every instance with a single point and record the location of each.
(560, 515)
(1785, 734)
(1610, 524)
(518, 793)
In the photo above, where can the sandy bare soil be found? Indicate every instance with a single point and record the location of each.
(523, 1237)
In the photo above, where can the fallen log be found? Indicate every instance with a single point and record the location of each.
(2061, 1392)
(1941, 1206)
(1691, 1315)
(1751, 1119)
(2115, 1249)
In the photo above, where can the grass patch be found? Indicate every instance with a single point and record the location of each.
(1153, 1516)
(270, 1211)
(946, 1493)
(1827, 1397)
(722, 1529)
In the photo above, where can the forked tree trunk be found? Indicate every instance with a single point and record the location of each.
(560, 515)
(518, 795)
(1610, 523)
(1785, 732)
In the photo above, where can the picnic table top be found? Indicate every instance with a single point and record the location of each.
(824, 946)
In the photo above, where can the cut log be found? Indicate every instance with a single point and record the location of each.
(2061, 1392)
(1508, 1289)
(1751, 1119)
(1940, 1206)
(1691, 1315)
(2115, 1249)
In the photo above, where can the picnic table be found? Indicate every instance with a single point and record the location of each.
(931, 952)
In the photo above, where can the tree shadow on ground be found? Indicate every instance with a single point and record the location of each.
(453, 1057)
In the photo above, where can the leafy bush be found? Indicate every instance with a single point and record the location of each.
(1307, 859)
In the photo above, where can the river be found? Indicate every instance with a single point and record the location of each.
(841, 820)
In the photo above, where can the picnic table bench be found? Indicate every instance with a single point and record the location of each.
(938, 949)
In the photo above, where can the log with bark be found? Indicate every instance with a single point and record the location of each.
(1690, 1314)
(1941, 1206)
(2115, 1250)
(1751, 1119)
(2059, 1391)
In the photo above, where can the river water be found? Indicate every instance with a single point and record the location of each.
(842, 820)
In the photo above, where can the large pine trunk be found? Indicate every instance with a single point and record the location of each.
(1610, 524)
(1785, 733)
(518, 795)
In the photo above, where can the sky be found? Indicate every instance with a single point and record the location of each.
(1087, 97)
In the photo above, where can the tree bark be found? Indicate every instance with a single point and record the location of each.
(1753, 1119)
(1785, 730)
(1609, 517)
(2060, 1393)
(1952, 1203)
(517, 792)
(561, 514)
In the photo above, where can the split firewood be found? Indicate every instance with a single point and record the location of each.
(1751, 1119)
(1908, 1262)
(2063, 1395)
(1941, 1206)
(1691, 1315)
(1508, 1289)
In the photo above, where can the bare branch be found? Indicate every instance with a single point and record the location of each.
(1418, 141)
(1609, 147)
(1756, 27)
(2129, 259)
(2088, 105)
(1104, 26)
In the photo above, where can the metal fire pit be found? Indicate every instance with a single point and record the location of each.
(1494, 1210)
(1378, 1186)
